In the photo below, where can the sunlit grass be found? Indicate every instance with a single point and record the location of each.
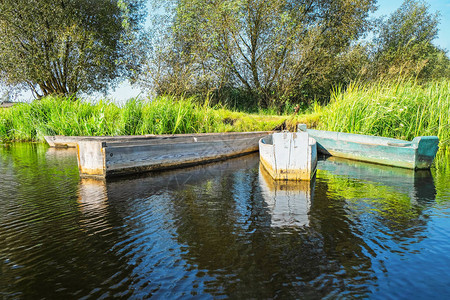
(164, 115)
(399, 109)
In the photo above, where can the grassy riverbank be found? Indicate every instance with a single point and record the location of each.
(165, 115)
(392, 109)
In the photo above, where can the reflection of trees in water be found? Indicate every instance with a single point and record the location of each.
(441, 174)
(229, 233)
(382, 209)
(45, 253)
(249, 258)
(346, 253)
(384, 200)
(82, 232)
(224, 226)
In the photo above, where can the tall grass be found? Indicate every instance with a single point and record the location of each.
(164, 115)
(401, 109)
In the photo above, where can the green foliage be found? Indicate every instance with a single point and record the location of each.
(270, 52)
(66, 47)
(404, 48)
(410, 23)
(400, 109)
(164, 115)
(441, 174)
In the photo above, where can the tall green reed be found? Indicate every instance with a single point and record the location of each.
(163, 115)
(400, 109)
(61, 116)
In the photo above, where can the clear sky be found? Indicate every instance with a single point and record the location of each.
(385, 7)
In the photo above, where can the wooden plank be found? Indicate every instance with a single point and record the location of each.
(191, 138)
(7, 104)
(141, 158)
(91, 158)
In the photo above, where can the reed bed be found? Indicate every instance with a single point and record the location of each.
(401, 109)
(164, 115)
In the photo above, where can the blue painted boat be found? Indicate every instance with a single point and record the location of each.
(416, 154)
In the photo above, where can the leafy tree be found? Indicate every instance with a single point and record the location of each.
(67, 46)
(273, 50)
(404, 43)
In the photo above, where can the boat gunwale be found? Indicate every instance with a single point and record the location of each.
(156, 155)
(174, 142)
(62, 141)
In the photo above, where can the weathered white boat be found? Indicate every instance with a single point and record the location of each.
(417, 154)
(104, 159)
(288, 202)
(289, 155)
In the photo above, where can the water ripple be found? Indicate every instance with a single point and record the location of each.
(218, 231)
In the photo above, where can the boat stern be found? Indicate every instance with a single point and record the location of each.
(91, 158)
(426, 149)
(289, 156)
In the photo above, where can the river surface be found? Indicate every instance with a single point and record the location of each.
(222, 230)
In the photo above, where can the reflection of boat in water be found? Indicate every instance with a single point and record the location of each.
(93, 204)
(417, 184)
(92, 195)
(143, 185)
(289, 202)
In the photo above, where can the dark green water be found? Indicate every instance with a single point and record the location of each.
(221, 231)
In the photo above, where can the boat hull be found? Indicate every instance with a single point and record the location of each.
(416, 154)
(62, 141)
(289, 156)
(107, 159)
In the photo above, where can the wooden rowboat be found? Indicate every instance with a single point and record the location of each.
(417, 154)
(289, 156)
(104, 159)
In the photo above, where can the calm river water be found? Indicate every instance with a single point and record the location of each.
(222, 230)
